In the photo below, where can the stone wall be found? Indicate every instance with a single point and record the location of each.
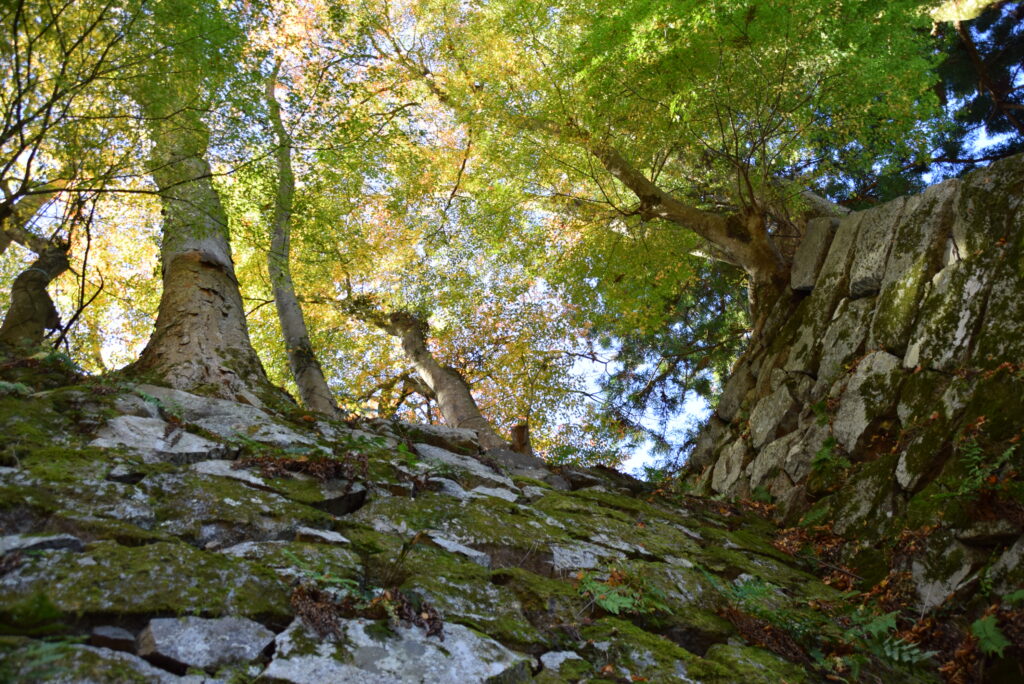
(891, 379)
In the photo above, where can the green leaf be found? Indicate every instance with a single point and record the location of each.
(991, 639)
(882, 624)
(615, 602)
(1014, 597)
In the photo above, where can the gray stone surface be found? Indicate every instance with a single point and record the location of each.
(532, 493)
(478, 557)
(873, 243)
(311, 534)
(735, 391)
(771, 457)
(835, 271)
(941, 573)
(949, 316)
(470, 471)
(227, 419)
(1001, 336)
(816, 311)
(729, 467)
(842, 342)
(409, 656)
(341, 497)
(922, 231)
(204, 643)
(552, 660)
(811, 252)
(798, 460)
(134, 405)
(869, 392)
(94, 665)
(114, 638)
(714, 433)
(519, 465)
(769, 414)
(990, 207)
(449, 487)
(155, 440)
(1007, 572)
(25, 542)
(125, 474)
(497, 492)
(451, 439)
(222, 468)
(579, 556)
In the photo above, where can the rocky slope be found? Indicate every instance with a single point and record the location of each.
(147, 534)
(882, 410)
(155, 536)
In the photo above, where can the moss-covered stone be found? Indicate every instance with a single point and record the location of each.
(866, 508)
(160, 578)
(897, 308)
(749, 664)
(464, 593)
(32, 661)
(223, 511)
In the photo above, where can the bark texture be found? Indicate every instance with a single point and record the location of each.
(449, 388)
(15, 218)
(453, 396)
(521, 439)
(201, 341)
(32, 312)
(305, 367)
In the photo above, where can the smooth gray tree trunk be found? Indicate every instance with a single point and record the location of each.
(449, 388)
(201, 340)
(453, 395)
(306, 369)
(31, 312)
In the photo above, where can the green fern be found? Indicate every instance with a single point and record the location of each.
(991, 639)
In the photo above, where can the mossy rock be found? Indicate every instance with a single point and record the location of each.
(933, 505)
(868, 503)
(464, 593)
(31, 661)
(753, 665)
(620, 649)
(205, 508)
(553, 606)
(161, 578)
(486, 522)
(324, 563)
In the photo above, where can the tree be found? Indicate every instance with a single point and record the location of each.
(713, 118)
(59, 61)
(305, 367)
(515, 189)
(980, 46)
(32, 312)
(445, 383)
(200, 340)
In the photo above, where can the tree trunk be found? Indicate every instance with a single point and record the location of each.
(521, 439)
(305, 367)
(32, 312)
(201, 341)
(15, 218)
(453, 396)
(449, 388)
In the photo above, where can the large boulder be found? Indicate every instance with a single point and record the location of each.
(374, 653)
(811, 252)
(192, 642)
(156, 440)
